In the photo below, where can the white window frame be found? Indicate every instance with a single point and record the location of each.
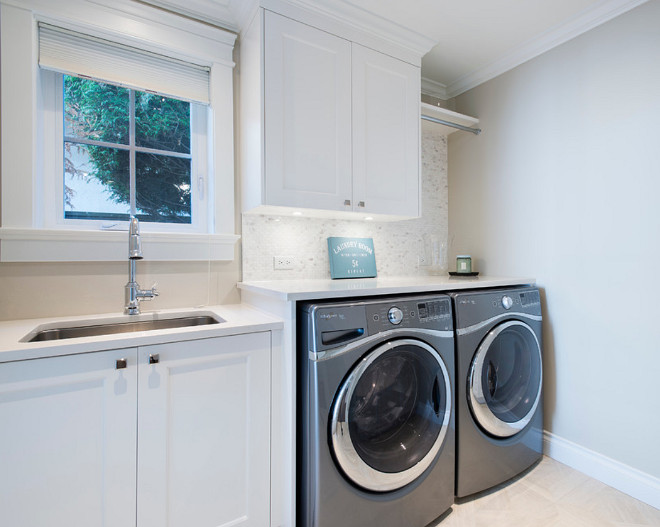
(28, 232)
(53, 180)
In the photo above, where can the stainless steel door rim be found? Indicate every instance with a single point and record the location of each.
(478, 403)
(345, 452)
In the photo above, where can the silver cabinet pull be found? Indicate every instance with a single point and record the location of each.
(347, 202)
(361, 204)
(153, 359)
(121, 364)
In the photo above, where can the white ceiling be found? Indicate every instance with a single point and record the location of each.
(475, 40)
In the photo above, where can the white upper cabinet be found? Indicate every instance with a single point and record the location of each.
(328, 125)
(307, 116)
(385, 133)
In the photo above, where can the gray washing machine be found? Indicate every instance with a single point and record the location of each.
(375, 412)
(499, 376)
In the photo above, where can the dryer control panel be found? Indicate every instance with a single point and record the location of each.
(475, 307)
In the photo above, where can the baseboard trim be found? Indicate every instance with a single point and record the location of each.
(629, 480)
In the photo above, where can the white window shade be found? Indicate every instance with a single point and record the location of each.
(77, 54)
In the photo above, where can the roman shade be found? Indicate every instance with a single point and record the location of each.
(78, 54)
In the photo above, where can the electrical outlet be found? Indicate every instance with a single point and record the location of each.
(283, 263)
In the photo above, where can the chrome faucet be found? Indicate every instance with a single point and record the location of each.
(133, 295)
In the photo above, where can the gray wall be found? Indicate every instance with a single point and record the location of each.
(564, 185)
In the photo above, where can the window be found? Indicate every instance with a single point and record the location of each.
(125, 152)
(122, 126)
(107, 114)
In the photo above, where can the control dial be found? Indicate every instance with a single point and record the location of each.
(507, 302)
(395, 315)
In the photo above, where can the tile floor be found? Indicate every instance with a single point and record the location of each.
(551, 494)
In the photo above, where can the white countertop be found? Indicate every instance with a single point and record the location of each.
(238, 318)
(290, 290)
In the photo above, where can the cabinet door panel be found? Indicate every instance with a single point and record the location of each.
(385, 133)
(307, 107)
(204, 433)
(67, 449)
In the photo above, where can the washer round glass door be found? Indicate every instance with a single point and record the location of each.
(504, 385)
(391, 414)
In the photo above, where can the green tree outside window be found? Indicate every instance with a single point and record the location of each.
(135, 144)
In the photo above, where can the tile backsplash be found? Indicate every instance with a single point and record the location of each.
(398, 245)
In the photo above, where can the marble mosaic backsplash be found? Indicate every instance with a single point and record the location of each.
(398, 245)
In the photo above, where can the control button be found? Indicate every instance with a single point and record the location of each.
(395, 315)
(376, 318)
(507, 302)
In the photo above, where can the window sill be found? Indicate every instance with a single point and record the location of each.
(39, 245)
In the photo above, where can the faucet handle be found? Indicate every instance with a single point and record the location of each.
(134, 243)
(154, 289)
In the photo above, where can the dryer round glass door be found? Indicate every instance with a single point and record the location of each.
(391, 414)
(505, 379)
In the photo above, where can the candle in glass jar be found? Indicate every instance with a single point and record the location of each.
(463, 263)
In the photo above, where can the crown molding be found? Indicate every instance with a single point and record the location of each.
(371, 22)
(243, 11)
(236, 14)
(335, 14)
(574, 27)
(434, 89)
(137, 24)
(208, 11)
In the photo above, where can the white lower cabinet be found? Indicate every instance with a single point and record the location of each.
(204, 433)
(183, 440)
(67, 445)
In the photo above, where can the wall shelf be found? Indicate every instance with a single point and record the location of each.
(446, 115)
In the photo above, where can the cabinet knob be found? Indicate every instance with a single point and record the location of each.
(361, 204)
(121, 364)
(347, 202)
(153, 359)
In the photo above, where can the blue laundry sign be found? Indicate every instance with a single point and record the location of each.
(351, 257)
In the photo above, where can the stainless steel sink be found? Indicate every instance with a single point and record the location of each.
(59, 333)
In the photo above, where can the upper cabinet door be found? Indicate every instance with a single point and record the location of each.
(67, 447)
(307, 111)
(386, 128)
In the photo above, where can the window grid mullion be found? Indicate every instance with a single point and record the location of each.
(119, 146)
(131, 144)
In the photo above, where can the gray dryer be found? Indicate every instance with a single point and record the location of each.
(499, 378)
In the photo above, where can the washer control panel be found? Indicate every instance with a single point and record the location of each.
(427, 313)
(331, 325)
